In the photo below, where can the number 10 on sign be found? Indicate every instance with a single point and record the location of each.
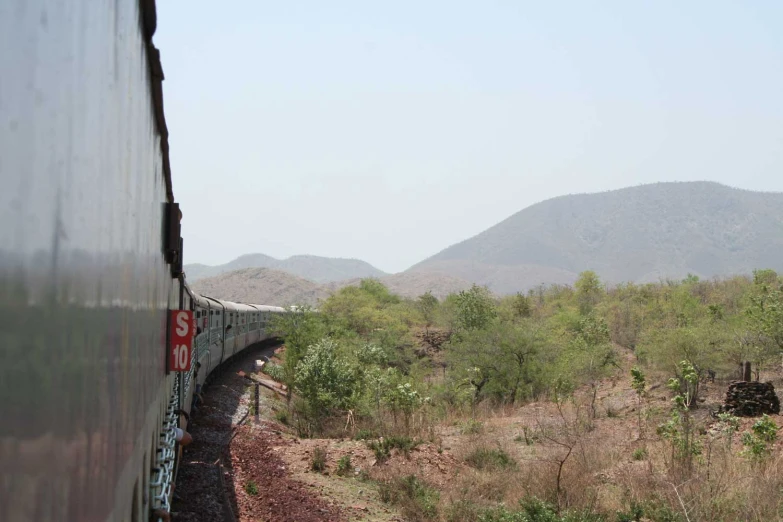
(181, 328)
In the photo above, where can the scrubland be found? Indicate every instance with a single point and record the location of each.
(581, 403)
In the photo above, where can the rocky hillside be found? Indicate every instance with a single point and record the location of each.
(414, 284)
(314, 268)
(278, 288)
(261, 286)
(641, 234)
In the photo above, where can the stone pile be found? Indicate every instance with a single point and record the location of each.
(751, 399)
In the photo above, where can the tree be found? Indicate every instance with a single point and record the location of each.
(498, 361)
(299, 329)
(521, 305)
(325, 380)
(379, 291)
(475, 308)
(427, 305)
(765, 277)
(766, 312)
(639, 385)
(589, 291)
(590, 354)
(698, 346)
(680, 430)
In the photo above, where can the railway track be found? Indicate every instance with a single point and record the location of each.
(203, 491)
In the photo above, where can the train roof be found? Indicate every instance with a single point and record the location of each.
(268, 308)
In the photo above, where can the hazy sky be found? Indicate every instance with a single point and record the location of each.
(387, 131)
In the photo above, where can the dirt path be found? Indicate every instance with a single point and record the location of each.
(202, 494)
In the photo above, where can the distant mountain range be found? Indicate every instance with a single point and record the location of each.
(275, 287)
(640, 234)
(315, 268)
(261, 286)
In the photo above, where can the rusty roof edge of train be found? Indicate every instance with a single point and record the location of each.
(149, 21)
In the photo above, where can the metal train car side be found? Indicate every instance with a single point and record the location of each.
(90, 266)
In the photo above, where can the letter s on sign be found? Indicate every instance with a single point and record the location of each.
(182, 324)
(181, 342)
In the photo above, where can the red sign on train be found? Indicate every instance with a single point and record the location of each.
(181, 328)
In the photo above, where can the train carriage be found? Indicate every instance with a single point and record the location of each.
(90, 269)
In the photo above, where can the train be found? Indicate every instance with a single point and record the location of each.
(91, 269)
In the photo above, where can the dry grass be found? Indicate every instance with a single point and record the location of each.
(605, 467)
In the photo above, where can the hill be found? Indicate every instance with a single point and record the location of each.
(278, 288)
(642, 234)
(261, 286)
(414, 284)
(314, 268)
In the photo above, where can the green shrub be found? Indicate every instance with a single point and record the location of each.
(634, 513)
(490, 459)
(251, 488)
(325, 380)
(382, 447)
(758, 442)
(275, 371)
(416, 499)
(639, 454)
(535, 510)
(463, 511)
(364, 434)
(318, 459)
(282, 417)
(472, 427)
(344, 466)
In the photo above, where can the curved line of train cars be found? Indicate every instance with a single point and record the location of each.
(91, 268)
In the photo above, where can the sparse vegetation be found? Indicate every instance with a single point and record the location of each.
(382, 447)
(281, 416)
(344, 466)
(643, 354)
(472, 427)
(251, 488)
(490, 459)
(318, 459)
(759, 439)
(417, 500)
(639, 454)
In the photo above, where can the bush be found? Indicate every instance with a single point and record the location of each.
(325, 380)
(344, 465)
(634, 514)
(318, 460)
(282, 417)
(639, 454)
(490, 459)
(463, 511)
(759, 440)
(472, 427)
(251, 488)
(275, 371)
(382, 447)
(535, 510)
(364, 434)
(417, 500)
(653, 511)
